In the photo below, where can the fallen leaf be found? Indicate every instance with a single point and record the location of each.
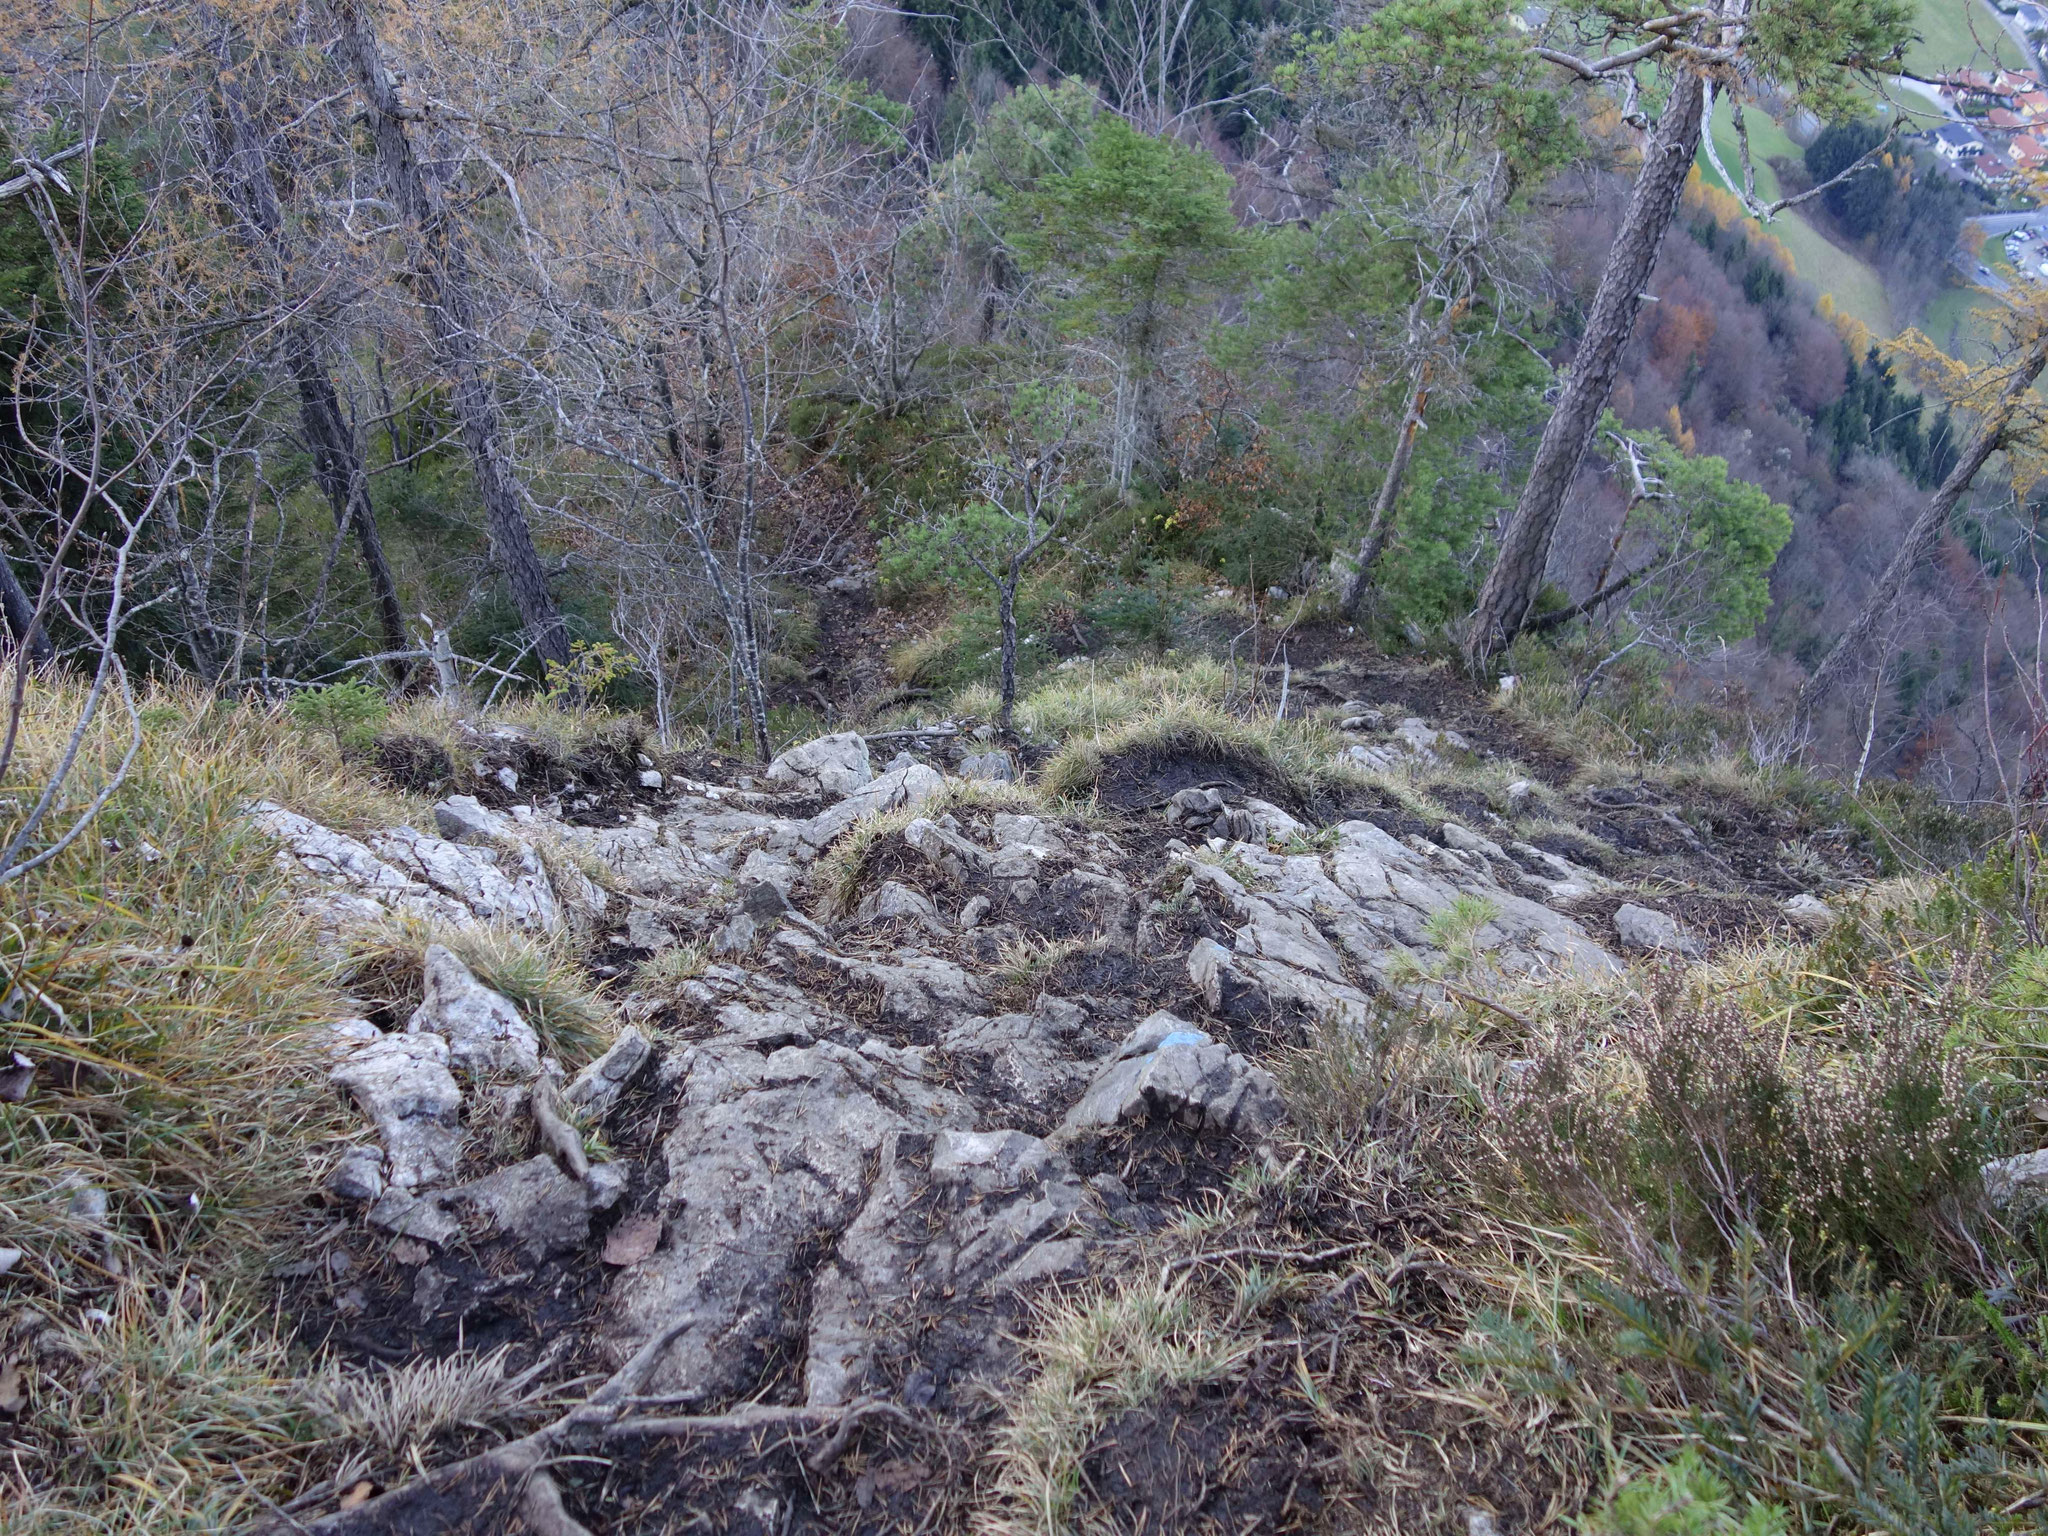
(12, 1398)
(632, 1240)
(359, 1495)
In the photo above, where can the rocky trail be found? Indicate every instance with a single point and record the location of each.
(905, 1053)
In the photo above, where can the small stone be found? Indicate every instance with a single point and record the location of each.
(973, 912)
(1176, 1071)
(344, 1035)
(466, 819)
(1521, 794)
(17, 1077)
(1510, 683)
(359, 1176)
(646, 931)
(892, 901)
(1648, 931)
(763, 900)
(508, 779)
(993, 767)
(738, 935)
(1465, 840)
(405, 1215)
(598, 1086)
(88, 1204)
(650, 778)
(9, 1257)
(632, 1240)
(1194, 807)
(1810, 913)
(534, 1203)
(643, 759)
(939, 845)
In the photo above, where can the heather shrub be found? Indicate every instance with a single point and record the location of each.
(1699, 1121)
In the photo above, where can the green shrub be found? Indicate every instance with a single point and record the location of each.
(1685, 1498)
(351, 712)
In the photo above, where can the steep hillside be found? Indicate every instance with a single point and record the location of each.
(1200, 1129)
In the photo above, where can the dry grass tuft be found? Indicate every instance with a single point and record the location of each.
(538, 973)
(842, 875)
(164, 985)
(398, 1409)
(1092, 1355)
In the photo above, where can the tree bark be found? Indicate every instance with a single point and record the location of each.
(1517, 575)
(1921, 539)
(1006, 616)
(444, 284)
(1377, 532)
(28, 632)
(337, 452)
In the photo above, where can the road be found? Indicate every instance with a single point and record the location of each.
(1993, 226)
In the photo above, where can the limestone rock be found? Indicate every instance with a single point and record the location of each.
(403, 1084)
(989, 1213)
(509, 888)
(1170, 1069)
(344, 1035)
(644, 930)
(358, 1176)
(994, 767)
(2018, 1184)
(916, 987)
(465, 819)
(1254, 989)
(1026, 834)
(737, 935)
(1648, 931)
(1810, 913)
(534, 1203)
(765, 1153)
(944, 849)
(1274, 824)
(911, 785)
(361, 885)
(892, 901)
(597, 1087)
(1022, 1058)
(833, 765)
(403, 1214)
(485, 1033)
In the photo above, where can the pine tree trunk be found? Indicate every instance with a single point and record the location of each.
(1921, 539)
(1006, 615)
(443, 281)
(27, 631)
(1377, 532)
(1517, 575)
(338, 466)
